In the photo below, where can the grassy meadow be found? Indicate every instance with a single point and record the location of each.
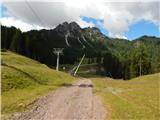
(136, 99)
(24, 80)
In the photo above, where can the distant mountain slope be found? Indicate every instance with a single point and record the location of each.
(76, 42)
(39, 44)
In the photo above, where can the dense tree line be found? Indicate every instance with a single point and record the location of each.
(39, 45)
(119, 58)
(141, 59)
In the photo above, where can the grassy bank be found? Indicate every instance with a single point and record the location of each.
(24, 80)
(136, 99)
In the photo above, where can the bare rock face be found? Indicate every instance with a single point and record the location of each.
(74, 26)
(68, 27)
(62, 27)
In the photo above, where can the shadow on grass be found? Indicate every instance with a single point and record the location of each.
(71, 85)
(25, 73)
(91, 75)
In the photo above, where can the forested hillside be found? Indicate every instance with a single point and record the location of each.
(117, 58)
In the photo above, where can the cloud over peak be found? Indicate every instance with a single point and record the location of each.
(116, 16)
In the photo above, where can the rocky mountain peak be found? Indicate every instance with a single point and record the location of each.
(74, 26)
(62, 27)
(67, 27)
(93, 31)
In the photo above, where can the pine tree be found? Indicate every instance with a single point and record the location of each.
(141, 64)
(14, 42)
(27, 46)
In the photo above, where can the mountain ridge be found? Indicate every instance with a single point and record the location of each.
(76, 41)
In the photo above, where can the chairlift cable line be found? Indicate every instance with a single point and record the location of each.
(33, 11)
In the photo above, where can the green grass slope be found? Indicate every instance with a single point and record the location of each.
(24, 80)
(136, 99)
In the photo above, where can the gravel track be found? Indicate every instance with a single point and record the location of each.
(72, 102)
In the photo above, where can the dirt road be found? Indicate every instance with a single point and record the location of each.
(72, 102)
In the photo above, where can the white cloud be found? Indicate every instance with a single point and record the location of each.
(120, 16)
(84, 24)
(19, 24)
(117, 16)
(117, 36)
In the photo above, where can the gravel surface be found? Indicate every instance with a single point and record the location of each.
(72, 102)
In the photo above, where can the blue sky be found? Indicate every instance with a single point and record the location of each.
(97, 23)
(3, 10)
(142, 28)
(135, 30)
